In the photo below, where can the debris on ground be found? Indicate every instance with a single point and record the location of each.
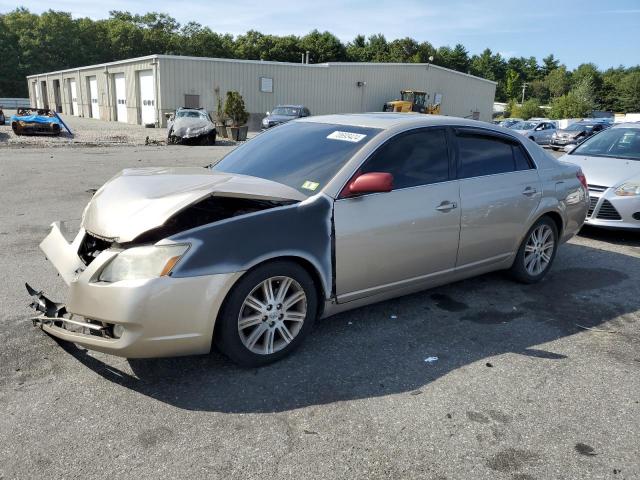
(431, 359)
(489, 364)
(584, 449)
(594, 329)
(393, 317)
(148, 141)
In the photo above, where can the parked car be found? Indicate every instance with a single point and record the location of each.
(191, 126)
(3, 119)
(315, 217)
(611, 161)
(35, 121)
(539, 132)
(509, 122)
(283, 114)
(576, 133)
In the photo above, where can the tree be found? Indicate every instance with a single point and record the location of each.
(512, 84)
(630, 92)
(558, 82)
(323, 47)
(569, 106)
(530, 108)
(549, 64)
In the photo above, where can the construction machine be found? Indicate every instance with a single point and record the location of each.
(412, 101)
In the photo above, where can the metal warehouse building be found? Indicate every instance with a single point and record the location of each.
(141, 90)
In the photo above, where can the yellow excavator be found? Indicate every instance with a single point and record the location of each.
(412, 101)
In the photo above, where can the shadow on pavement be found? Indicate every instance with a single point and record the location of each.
(368, 353)
(628, 238)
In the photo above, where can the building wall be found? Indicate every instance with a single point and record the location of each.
(323, 88)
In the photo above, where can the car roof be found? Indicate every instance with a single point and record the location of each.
(289, 106)
(387, 121)
(627, 125)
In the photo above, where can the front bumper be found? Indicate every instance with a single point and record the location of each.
(608, 210)
(161, 317)
(562, 142)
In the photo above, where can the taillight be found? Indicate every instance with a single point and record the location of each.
(582, 178)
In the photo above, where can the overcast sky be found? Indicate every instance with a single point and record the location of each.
(603, 32)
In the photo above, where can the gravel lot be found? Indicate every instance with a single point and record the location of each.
(520, 391)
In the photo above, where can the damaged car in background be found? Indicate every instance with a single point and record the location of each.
(318, 216)
(190, 126)
(35, 121)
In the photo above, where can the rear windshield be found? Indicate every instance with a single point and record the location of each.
(302, 155)
(524, 126)
(288, 111)
(615, 142)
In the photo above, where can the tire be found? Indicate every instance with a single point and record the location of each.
(522, 269)
(555, 149)
(263, 327)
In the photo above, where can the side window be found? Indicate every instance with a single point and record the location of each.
(485, 155)
(521, 159)
(416, 158)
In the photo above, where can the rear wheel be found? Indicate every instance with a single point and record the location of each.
(537, 252)
(267, 314)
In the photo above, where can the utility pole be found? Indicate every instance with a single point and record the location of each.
(524, 87)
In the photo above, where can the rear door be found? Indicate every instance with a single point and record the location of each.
(121, 97)
(385, 241)
(499, 193)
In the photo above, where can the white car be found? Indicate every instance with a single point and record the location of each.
(611, 162)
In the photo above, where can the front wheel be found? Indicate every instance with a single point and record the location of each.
(267, 314)
(537, 252)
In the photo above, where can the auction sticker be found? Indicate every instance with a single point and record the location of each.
(346, 136)
(310, 185)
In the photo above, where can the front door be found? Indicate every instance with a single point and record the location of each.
(387, 241)
(499, 193)
(121, 97)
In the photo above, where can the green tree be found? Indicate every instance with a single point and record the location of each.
(530, 108)
(570, 105)
(512, 84)
(549, 64)
(323, 47)
(630, 92)
(558, 82)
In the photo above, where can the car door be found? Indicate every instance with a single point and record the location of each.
(386, 241)
(499, 193)
(549, 129)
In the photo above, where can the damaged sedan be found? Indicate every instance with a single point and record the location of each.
(318, 216)
(191, 126)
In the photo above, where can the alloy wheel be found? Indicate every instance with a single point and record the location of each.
(272, 315)
(539, 250)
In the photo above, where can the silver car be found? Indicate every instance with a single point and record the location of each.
(535, 130)
(315, 217)
(611, 162)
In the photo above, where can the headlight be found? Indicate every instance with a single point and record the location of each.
(143, 262)
(265, 122)
(628, 190)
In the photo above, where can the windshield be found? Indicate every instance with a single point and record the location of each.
(288, 111)
(523, 126)
(191, 114)
(615, 142)
(302, 155)
(579, 127)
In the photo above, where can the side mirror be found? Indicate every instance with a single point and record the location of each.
(167, 115)
(538, 129)
(373, 182)
(267, 114)
(570, 148)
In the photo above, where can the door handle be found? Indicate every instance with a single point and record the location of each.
(446, 206)
(529, 191)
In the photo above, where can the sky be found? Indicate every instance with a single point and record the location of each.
(575, 31)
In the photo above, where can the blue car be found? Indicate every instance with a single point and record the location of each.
(35, 121)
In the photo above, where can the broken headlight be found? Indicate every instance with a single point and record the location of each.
(143, 262)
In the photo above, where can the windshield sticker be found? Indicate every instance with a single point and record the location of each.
(346, 136)
(310, 185)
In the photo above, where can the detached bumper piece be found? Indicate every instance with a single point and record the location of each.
(53, 314)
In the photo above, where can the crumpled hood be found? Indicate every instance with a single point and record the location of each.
(281, 118)
(189, 126)
(139, 199)
(608, 172)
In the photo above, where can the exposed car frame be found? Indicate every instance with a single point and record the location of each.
(35, 121)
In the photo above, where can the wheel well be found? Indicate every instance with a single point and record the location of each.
(557, 219)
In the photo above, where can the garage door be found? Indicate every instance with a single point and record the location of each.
(93, 96)
(74, 97)
(147, 97)
(121, 97)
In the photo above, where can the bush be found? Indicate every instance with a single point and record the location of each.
(570, 105)
(530, 108)
(220, 116)
(235, 110)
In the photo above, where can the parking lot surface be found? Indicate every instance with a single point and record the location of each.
(530, 381)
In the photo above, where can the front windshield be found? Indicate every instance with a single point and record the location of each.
(615, 142)
(190, 114)
(579, 127)
(288, 111)
(302, 155)
(523, 126)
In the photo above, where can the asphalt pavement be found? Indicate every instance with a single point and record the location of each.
(530, 381)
